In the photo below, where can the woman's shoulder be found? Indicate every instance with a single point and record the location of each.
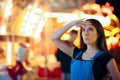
(76, 51)
(106, 55)
(104, 58)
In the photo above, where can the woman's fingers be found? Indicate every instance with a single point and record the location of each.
(82, 23)
(85, 23)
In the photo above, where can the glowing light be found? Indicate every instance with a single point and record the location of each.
(112, 41)
(107, 33)
(39, 29)
(9, 53)
(64, 17)
(105, 21)
(65, 37)
(3, 29)
(47, 14)
(115, 31)
(8, 8)
(34, 19)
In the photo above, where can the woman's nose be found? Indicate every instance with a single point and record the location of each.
(86, 33)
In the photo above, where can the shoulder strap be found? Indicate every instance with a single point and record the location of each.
(78, 54)
(98, 54)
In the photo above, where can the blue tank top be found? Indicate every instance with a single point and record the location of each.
(82, 69)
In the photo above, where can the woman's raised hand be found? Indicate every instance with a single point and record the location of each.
(80, 23)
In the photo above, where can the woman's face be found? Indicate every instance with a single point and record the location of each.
(89, 34)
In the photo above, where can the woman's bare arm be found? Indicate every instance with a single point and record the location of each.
(113, 69)
(61, 44)
(66, 48)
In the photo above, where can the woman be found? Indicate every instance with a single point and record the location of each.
(92, 40)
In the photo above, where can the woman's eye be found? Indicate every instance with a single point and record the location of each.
(91, 29)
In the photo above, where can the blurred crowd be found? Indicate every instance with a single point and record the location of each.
(25, 67)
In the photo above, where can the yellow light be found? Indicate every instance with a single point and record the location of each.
(9, 53)
(107, 33)
(112, 41)
(3, 29)
(8, 8)
(114, 31)
(105, 21)
(65, 37)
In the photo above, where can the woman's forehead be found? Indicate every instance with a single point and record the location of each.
(88, 26)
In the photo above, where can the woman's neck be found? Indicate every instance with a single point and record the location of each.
(92, 49)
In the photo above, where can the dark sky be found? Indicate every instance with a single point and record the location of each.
(114, 3)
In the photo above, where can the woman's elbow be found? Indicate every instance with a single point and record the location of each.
(116, 78)
(53, 39)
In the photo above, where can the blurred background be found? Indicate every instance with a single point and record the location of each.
(26, 26)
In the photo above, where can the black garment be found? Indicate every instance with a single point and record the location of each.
(99, 66)
(65, 61)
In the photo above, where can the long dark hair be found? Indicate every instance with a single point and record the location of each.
(101, 42)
